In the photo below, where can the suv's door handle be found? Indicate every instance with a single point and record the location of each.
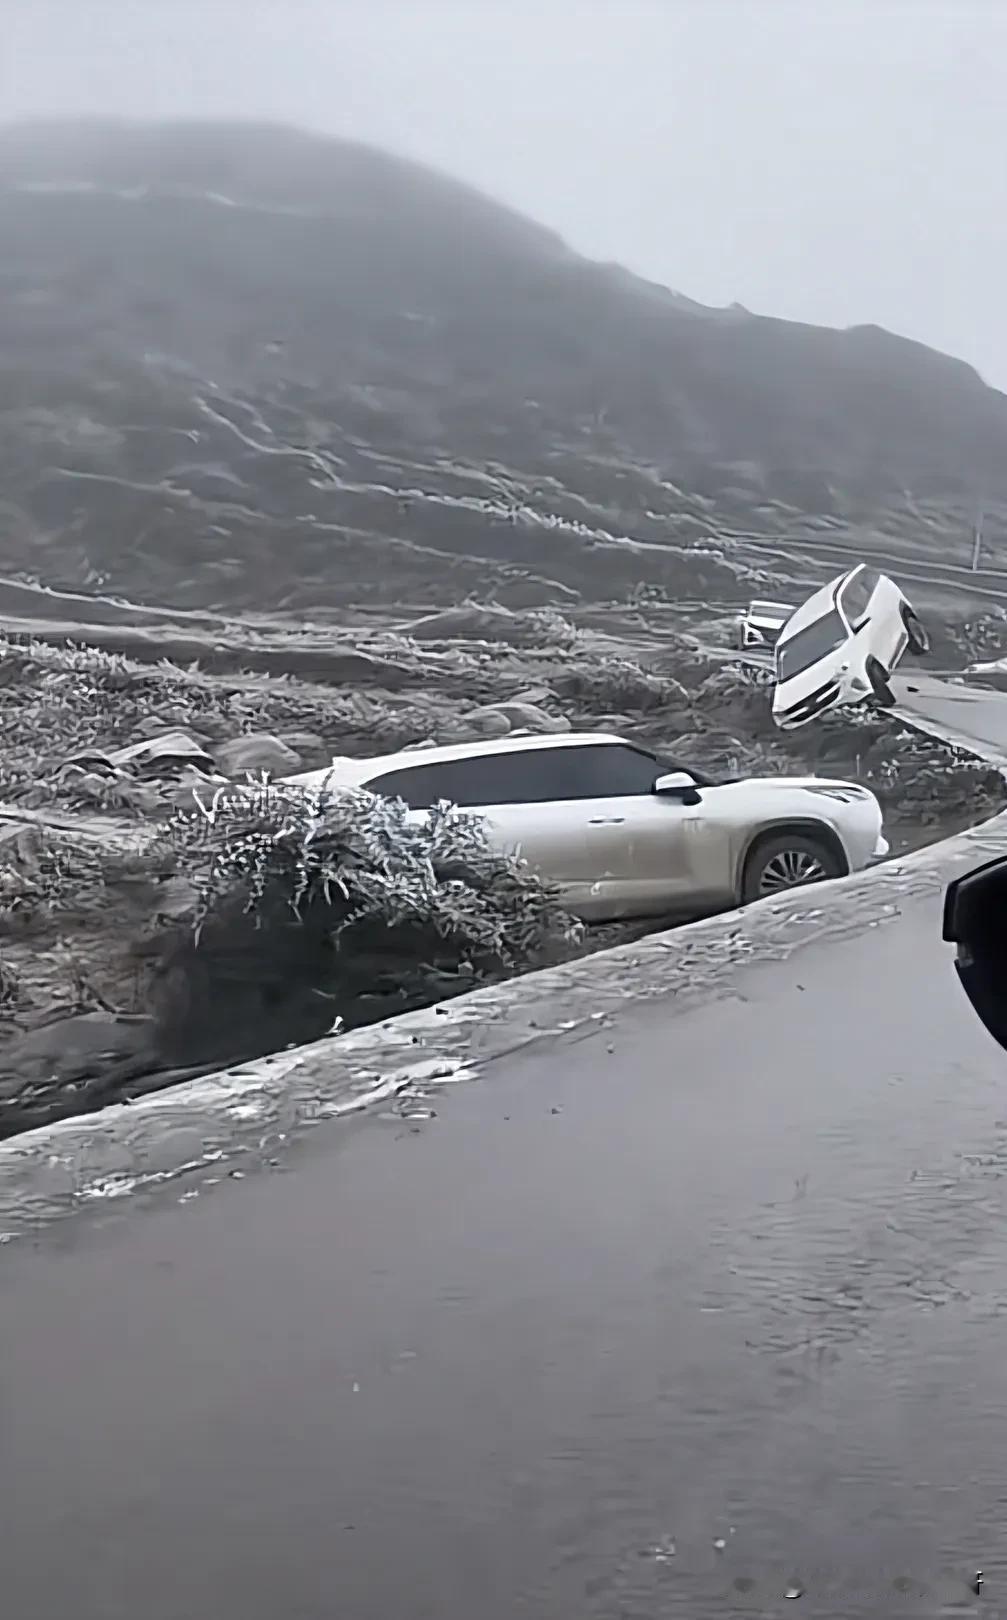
(606, 821)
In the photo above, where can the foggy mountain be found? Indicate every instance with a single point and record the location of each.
(243, 365)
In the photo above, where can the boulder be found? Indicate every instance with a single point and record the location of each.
(467, 622)
(524, 716)
(534, 694)
(479, 723)
(309, 745)
(258, 751)
(188, 782)
(149, 725)
(153, 754)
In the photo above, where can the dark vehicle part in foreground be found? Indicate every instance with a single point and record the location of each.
(975, 919)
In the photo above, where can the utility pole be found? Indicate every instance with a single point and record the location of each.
(977, 540)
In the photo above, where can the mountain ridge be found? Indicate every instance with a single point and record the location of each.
(237, 359)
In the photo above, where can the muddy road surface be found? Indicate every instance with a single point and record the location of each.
(674, 1314)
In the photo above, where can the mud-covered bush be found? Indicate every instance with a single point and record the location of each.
(542, 627)
(315, 910)
(59, 701)
(11, 989)
(959, 643)
(40, 874)
(734, 696)
(618, 685)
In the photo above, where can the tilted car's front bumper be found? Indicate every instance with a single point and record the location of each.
(881, 849)
(829, 696)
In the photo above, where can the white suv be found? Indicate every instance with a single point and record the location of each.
(623, 832)
(761, 623)
(842, 645)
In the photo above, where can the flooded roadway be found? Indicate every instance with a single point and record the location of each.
(700, 1308)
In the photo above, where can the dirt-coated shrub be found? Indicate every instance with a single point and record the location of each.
(318, 909)
(617, 685)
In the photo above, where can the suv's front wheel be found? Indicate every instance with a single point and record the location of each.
(877, 674)
(787, 861)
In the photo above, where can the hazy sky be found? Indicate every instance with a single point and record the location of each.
(837, 161)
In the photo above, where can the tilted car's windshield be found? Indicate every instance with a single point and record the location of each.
(800, 651)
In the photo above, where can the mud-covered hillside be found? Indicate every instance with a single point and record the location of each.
(248, 366)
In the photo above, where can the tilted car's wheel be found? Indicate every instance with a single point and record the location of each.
(919, 641)
(877, 674)
(787, 861)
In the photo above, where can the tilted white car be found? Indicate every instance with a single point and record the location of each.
(842, 645)
(625, 833)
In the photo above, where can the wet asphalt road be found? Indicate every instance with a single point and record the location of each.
(734, 1275)
(978, 717)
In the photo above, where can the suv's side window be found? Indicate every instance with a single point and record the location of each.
(525, 776)
(512, 778)
(420, 786)
(613, 771)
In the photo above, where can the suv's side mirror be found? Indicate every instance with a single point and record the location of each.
(975, 919)
(678, 785)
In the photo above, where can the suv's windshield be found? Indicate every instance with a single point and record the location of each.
(800, 651)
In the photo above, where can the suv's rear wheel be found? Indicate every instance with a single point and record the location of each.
(788, 860)
(919, 641)
(877, 674)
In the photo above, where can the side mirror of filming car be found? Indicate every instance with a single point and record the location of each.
(975, 920)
